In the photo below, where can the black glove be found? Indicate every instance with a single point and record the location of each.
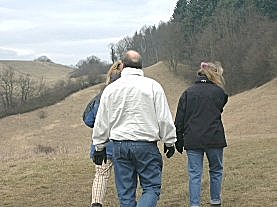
(179, 145)
(169, 151)
(100, 156)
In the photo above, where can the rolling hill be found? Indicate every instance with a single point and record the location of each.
(32, 131)
(50, 72)
(45, 159)
(253, 111)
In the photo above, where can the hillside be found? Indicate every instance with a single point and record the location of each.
(64, 120)
(50, 72)
(253, 111)
(250, 112)
(46, 158)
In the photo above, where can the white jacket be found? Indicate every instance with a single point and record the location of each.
(133, 108)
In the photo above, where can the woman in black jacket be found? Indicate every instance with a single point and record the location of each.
(200, 130)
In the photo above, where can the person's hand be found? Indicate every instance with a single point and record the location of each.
(179, 144)
(169, 151)
(100, 156)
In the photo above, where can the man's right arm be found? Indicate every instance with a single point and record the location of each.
(167, 130)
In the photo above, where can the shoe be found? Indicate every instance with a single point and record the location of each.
(96, 205)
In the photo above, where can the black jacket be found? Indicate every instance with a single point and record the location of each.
(198, 118)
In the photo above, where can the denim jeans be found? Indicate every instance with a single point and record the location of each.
(133, 160)
(195, 170)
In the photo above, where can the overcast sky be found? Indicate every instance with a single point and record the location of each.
(67, 31)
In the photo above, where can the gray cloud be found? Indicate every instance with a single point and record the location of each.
(70, 30)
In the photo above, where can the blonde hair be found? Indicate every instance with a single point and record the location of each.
(115, 69)
(213, 71)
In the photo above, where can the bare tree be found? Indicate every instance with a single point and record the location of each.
(112, 53)
(26, 87)
(122, 46)
(172, 42)
(41, 86)
(7, 84)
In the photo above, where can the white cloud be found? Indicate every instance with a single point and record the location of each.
(17, 51)
(16, 25)
(70, 30)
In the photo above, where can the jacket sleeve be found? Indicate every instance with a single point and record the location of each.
(101, 130)
(167, 130)
(225, 99)
(180, 116)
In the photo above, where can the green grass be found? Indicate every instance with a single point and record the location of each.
(65, 180)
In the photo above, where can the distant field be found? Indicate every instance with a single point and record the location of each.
(45, 161)
(50, 72)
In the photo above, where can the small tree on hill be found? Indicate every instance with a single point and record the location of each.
(43, 59)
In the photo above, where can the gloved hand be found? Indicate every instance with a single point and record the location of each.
(169, 151)
(179, 144)
(100, 156)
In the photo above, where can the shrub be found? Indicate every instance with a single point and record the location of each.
(44, 149)
(42, 114)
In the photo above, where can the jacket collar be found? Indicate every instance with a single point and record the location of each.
(132, 71)
(202, 79)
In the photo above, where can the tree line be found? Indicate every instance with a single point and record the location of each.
(241, 34)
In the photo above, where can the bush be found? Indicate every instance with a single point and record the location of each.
(42, 114)
(44, 149)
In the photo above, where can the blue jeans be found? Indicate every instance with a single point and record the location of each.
(133, 159)
(195, 170)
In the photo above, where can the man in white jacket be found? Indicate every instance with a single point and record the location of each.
(134, 114)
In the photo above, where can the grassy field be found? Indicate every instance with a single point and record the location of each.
(65, 180)
(45, 161)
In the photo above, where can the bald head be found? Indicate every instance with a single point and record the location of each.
(132, 59)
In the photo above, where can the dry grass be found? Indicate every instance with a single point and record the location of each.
(32, 175)
(50, 72)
